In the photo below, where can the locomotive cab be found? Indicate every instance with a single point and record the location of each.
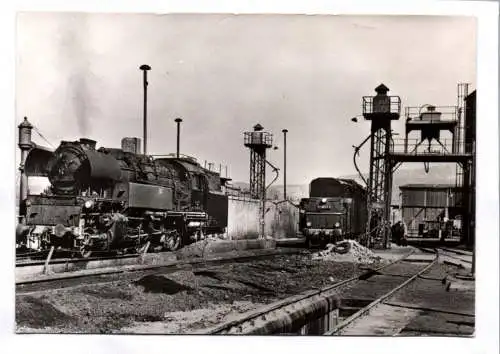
(323, 220)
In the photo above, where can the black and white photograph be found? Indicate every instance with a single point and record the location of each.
(258, 174)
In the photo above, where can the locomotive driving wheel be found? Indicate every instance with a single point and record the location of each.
(141, 248)
(172, 240)
(85, 251)
(85, 248)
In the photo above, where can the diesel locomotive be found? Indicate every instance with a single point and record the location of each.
(336, 209)
(117, 200)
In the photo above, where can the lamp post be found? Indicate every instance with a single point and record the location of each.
(145, 68)
(284, 162)
(178, 121)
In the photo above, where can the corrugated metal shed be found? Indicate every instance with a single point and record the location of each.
(429, 195)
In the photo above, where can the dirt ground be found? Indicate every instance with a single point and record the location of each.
(179, 302)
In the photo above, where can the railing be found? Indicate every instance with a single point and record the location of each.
(417, 147)
(173, 155)
(438, 114)
(258, 138)
(377, 104)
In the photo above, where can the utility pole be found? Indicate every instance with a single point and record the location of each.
(284, 162)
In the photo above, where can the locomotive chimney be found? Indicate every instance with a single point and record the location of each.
(89, 144)
(145, 68)
(178, 121)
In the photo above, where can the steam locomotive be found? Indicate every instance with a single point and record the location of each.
(336, 209)
(117, 200)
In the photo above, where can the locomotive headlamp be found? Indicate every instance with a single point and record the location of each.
(89, 204)
(308, 224)
(337, 224)
(323, 200)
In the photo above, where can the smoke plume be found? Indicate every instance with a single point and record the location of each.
(74, 56)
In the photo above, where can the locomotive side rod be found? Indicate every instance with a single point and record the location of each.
(46, 266)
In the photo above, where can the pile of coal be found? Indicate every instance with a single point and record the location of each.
(347, 251)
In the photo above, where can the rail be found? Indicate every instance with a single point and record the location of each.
(74, 260)
(216, 258)
(379, 300)
(236, 325)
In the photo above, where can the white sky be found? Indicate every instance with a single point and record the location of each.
(77, 75)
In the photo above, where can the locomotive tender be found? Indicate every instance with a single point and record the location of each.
(336, 209)
(119, 200)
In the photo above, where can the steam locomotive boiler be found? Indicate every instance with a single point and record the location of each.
(113, 199)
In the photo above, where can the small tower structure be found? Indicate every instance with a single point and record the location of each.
(380, 110)
(258, 141)
(431, 121)
(25, 145)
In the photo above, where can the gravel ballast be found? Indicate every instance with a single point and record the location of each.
(179, 302)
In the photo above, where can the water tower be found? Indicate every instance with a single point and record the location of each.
(258, 141)
(380, 110)
(25, 145)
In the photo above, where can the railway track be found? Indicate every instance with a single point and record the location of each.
(344, 307)
(286, 316)
(461, 256)
(108, 275)
(365, 311)
(457, 251)
(420, 304)
(28, 261)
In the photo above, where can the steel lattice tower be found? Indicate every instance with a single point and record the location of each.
(257, 173)
(380, 110)
(258, 141)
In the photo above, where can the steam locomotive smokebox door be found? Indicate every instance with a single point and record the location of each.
(150, 197)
